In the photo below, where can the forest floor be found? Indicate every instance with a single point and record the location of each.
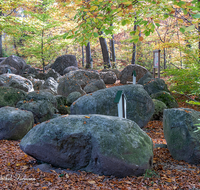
(16, 169)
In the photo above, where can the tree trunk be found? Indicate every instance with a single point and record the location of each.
(42, 51)
(88, 56)
(15, 46)
(112, 51)
(164, 52)
(133, 61)
(1, 47)
(83, 56)
(105, 53)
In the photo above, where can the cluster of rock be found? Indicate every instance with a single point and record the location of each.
(91, 138)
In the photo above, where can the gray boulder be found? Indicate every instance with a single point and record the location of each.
(14, 61)
(82, 77)
(159, 108)
(16, 81)
(154, 85)
(183, 142)
(10, 96)
(41, 76)
(94, 85)
(126, 73)
(166, 98)
(63, 62)
(147, 76)
(73, 96)
(41, 109)
(108, 77)
(52, 73)
(68, 69)
(66, 86)
(50, 84)
(140, 107)
(14, 123)
(116, 71)
(32, 71)
(93, 143)
(62, 104)
(6, 68)
(37, 83)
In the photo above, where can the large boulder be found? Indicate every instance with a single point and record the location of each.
(105, 145)
(14, 123)
(62, 104)
(116, 71)
(68, 69)
(94, 85)
(153, 85)
(108, 77)
(67, 86)
(166, 98)
(159, 108)
(6, 69)
(126, 73)
(50, 84)
(139, 105)
(180, 131)
(82, 77)
(63, 62)
(18, 63)
(10, 96)
(42, 110)
(16, 81)
(52, 73)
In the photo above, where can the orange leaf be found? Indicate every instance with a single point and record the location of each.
(87, 117)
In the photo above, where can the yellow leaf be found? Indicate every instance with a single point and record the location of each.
(87, 117)
(17, 164)
(100, 17)
(93, 8)
(91, 182)
(127, 3)
(8, 164)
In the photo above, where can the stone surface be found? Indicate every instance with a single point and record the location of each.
(179, 126)
(52, 73)
(68, 69)
(153, 86)
(166, 98)
(63, 62)
(14, 61)
(93, 143)
(16, 81)
(147, 76)
(94, 85)
(50, 84)
(10, 96)
(5, 68)
(140, 107)
(159, 108)
(108, 77)
(126, 73)
(14, 123)
(116, 71)
(62, 104)
(37, 83)
(67, 86)
(42, 110)
(73, 96)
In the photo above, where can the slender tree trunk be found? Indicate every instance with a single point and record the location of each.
(83, 64)
(42, 51)
(105, 53)
(15, 46)
(1, 47)
(165, 64)
(88, 56)
(133, 61)
(112, 51)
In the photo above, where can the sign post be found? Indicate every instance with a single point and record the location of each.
(134, 76)
(156, 62)
(120, 99)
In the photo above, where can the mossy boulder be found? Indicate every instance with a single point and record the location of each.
(62, 104)
(105, 145)
(159, 108)
(166, 98)
(181, 134)
(10, 96)
(139, 105)
(14, 123)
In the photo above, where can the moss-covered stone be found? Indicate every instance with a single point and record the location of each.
(93, 143)
(10, 96)
(159, 108)
(166, 98)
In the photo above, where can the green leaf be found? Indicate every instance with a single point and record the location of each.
(95, 34)
(189, 28)
(123, 22)
(196, 15)
(134, 39)
(182, 30)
